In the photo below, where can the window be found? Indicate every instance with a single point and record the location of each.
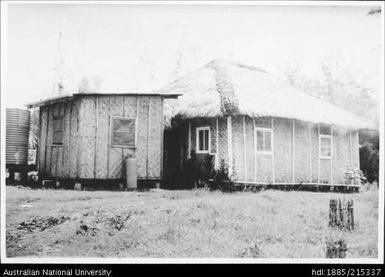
(203, 140)
(325, 146)
(264, 140)
(123, 131)
(57, 131)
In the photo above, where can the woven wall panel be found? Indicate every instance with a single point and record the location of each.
(315, 152)
(130, 106)
(87, 130)
(53, 161)
(74, 138)
(66, 141)
(341, 154)
(103, 133)
(154, 147)
(116, 163)
(325, 171)
(59, 163)
(282, 150)
(49, 140)
(141, 151)
(301, 155)
(116, 153)
(213, 131)
(223, 153)
(43, 139)
(238, 155)
(250, 151)
(264, 168)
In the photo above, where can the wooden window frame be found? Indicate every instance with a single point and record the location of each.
(264, 130)
(330, 137)
(111, 131)
(53, 130)
(208, 151)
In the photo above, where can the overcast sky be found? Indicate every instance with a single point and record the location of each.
(133, 48)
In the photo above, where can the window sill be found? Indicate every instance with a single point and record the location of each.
(325, 158)
(202, 152)
(122, 146)
(264, 153)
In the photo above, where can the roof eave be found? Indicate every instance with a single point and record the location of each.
(63, 99)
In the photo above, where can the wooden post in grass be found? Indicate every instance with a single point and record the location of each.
(341, 214)
(336, 248)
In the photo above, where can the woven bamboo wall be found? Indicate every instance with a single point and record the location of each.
(238, 153)
(66, 142)
(308, 167)
(283, 150)
(222, 140)
(314, 152)
(86, 152)
(264, 161)
(341, 154)
(302, 154)
(59, 160)
(42, 146)
(87, 129)
(102, 137)
(74, 146)
(154, 155)
(250, 160)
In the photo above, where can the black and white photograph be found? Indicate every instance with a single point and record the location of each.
(192, 132)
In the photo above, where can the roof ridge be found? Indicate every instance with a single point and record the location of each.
(226, 63)
(229, 103)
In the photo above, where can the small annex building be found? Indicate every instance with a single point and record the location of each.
(86, 136)
(267, 131)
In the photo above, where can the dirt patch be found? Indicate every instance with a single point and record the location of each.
(86, 230)
(93, 222)
(41, 223)
(117, 222)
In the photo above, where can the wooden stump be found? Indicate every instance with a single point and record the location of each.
(341, 214)
(336, 248)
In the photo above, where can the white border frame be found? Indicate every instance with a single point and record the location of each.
(264, 130)
(197, 140)
(94, 260)
(110, 136)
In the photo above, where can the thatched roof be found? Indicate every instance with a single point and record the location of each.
(223, 88)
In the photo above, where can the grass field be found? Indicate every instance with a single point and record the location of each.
(173, 224)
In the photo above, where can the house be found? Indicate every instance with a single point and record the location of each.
(86, 136)
(267, 131)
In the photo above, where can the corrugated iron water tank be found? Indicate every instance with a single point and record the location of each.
(17, 132)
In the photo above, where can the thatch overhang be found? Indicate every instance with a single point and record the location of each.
(223, 88)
